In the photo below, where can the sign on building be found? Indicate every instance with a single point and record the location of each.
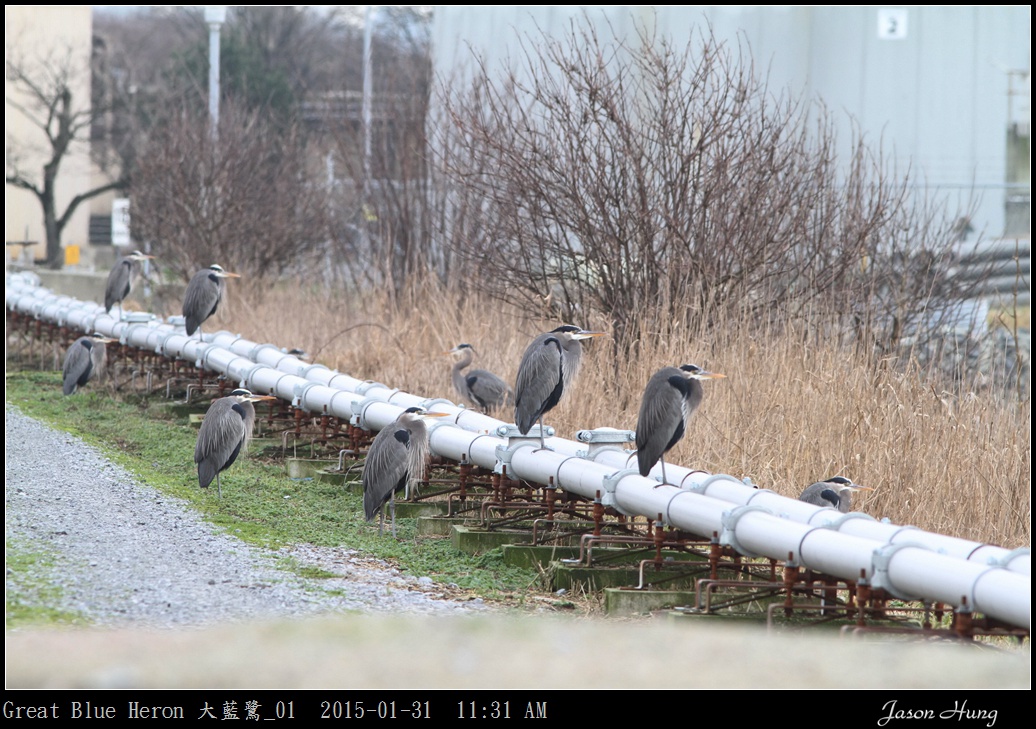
(892, 23)
(120, 222)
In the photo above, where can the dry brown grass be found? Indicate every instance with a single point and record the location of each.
(792, 410)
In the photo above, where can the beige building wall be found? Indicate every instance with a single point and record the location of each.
(54, 37)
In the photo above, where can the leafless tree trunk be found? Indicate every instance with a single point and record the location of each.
(43, 94)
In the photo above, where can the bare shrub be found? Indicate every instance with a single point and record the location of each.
(383, 203)
(625, 178)
(241, 200)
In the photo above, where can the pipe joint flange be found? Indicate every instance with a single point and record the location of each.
(1009, 557)
(201, 352)
(177, 321)
(704, 485)
(363, 387)
(253, 353)
(796, 556)
(880, 560)
(348, 403)
(471, 446)
(504, 453)
(434, 424)
(247, 377)
(759, 492)
(305, 368)
(611, 484)
(431, 402)
(837, 521)
(92, 321)
(359, 417)
(298, 394)
(557, 471)
(161, 340)
(128, 328)
(728, 531)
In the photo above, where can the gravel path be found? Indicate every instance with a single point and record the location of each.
(125, 554)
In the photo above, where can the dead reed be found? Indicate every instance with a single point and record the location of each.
(795, 407)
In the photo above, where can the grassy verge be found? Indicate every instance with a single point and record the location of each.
(32, 587)
(152, 438)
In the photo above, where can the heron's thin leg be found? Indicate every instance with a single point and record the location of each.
(381, 520)
(542, 444)
(662, 459)
(392, 505)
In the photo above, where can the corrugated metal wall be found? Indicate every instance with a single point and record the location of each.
(931, 82)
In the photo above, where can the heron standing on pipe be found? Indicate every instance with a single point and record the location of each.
(203, 295)
(85, 358)
(396, 461)
(670, 398)
(224, 434)
(834, 493)
(120, 280)
(480, 387)
(548, 369)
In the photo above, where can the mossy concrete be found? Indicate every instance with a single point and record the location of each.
(471, 540)
(619, 601)
(307, 467)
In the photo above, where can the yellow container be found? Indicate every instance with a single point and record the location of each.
(71, 255)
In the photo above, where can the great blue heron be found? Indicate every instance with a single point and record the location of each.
(480, 387)
(85, 358)
(203, 295)
(224, 433)
(120, 280)
(670, 398)
(395, 461)
(834, 493)
(548, 368)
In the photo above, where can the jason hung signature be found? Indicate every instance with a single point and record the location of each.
(960, 711)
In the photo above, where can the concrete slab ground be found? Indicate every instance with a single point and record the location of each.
(497, 652)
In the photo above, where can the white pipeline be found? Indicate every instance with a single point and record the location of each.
(907, 562)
